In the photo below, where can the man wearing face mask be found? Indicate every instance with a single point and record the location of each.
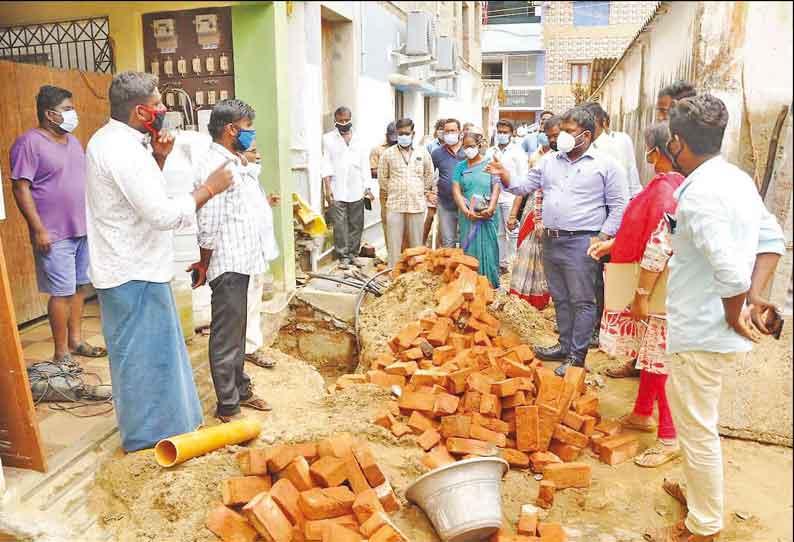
(234, 244)
(130, 219)
(48, 174)
(584, 194)
(445, 160)
(514, 158)
(346, 182)
(405, 171)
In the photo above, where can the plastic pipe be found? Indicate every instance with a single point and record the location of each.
(175, 450)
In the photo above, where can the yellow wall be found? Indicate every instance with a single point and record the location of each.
(125, 21)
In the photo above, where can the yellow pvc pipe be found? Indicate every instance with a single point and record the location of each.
(178, 449)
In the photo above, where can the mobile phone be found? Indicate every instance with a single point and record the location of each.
(776, 324)
(194, 275)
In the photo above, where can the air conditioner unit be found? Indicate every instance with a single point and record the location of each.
(447, 54)
(419, 34)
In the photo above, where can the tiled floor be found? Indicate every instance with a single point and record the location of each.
(60, 429)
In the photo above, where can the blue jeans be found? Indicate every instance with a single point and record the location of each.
(571, 275)
(448, 224)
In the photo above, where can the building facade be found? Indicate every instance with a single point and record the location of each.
(383, 60)
(582, 40)
(513, 55)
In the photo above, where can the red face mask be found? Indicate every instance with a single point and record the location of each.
(158, 117)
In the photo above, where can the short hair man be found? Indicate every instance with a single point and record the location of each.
(129, 223)
(725, 249)
(445, 160)
(346, 182)
(514, 158)
(669, 95)
(405, 172)
(571, 218)
(232, 239)
(530, 142)
(438, 136)
(48, 175)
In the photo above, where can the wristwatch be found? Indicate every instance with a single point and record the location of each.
(642, 292)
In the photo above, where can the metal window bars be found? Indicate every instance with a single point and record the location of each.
(81, 44)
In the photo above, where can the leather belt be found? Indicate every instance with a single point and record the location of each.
(566, 233)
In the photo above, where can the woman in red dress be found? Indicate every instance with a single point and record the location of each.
(644, 238)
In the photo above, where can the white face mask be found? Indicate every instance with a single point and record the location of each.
(70, 120)
(503, 139)
(404, 140)
(451, 138)
(566, 142)
(471, 152)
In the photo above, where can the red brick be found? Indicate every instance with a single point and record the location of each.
(429, 438)
(368, 464)
(339, 533)
(366, 504)
(437, 457)
(382, 360)
(442, 354)
(411, 355)
(299, 474)
(440, 332)
(478, 432)
(619, 448)
(566, 435)
(566, 452)
(588, 425)
(314, 530)
(287, 496)
(549, 387)
(408, 334)
(490, 405)
(461, 446)
(307, 449)
(326, 503)
(402, 368)
(388, 499)
(516, 369)
(515, 458)
(385, 380)
(268, 519)
(375, 522)
(240, 490)
(386, 533)
(449, 304)
(527, 428)
(229, 526)
(355, 476)
(345, 381)
(576, 377)
(417, 401)
(471, 401)
(328, 471)
(573, 420)
(479, 382)
(400, 429)
(552, 532)
(445, 404)
(384, 419)
(419, 423)
(587, 404)
(493, 424)
(280, 456)
(546, 491)
(528, 520)
(608, 427)
(548, 421)
(424, 377)
(517, 400)
(506, 387)
(253, 461)
(540, 460)
(566, 475)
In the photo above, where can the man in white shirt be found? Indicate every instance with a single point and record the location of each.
(129, 222)
(514, 158)
(232, 237)
(346, 182)
(726, 246)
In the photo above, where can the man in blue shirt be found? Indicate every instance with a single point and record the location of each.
(530, 142)
(445, 159)
(584, 194)
(726, 246)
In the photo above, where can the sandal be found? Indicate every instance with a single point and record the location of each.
(675, 490)
(66, 361)
(259, 359)
(87, 351)
(677, 533)
(657, 455)
(626, 423)
(256, 403)
(627, 370)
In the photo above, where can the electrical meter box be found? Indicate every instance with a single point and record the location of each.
(191, 53)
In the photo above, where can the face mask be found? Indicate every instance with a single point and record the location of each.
(471, 152)
(674, 156)
(245, 138)
(404, 140)
(543, 140)
(344, 128)
(70, 121)
(503, 139)
(158, 118)
(522, 132)
(451, 138)
(566, 142)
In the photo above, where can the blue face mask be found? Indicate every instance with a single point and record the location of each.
(543, 140)
(245, 138)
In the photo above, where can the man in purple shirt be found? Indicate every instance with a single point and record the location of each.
(584, 195)
(445, 160)
(48, 174)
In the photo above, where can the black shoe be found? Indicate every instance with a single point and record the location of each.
(570, 361)
(594, 340)
(550, 353)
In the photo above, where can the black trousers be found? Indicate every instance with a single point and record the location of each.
(348, 221)
(227, 341)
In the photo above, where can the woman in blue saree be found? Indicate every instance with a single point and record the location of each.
(476, 197)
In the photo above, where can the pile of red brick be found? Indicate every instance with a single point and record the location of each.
(531, 529)
(469, 390)
(329, 491)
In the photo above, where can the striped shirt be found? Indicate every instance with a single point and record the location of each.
(231, 224)
(406, 179)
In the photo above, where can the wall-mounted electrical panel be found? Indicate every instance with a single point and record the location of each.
(191, 53)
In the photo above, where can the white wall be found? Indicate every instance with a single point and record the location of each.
(512, 38)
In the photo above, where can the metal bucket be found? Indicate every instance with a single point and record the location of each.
(463, 500)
